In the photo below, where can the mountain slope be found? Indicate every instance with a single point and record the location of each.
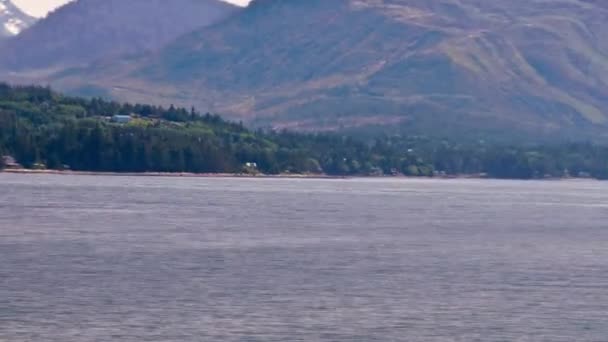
(86, 30)
(536, 66)
(12, 19)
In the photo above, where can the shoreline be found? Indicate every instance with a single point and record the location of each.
(266, 176)
(166, 174)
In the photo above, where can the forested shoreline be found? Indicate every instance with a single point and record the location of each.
(46, 130)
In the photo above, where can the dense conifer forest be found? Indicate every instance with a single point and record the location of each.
(43, 129)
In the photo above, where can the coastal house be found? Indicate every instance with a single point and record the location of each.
(250, 168)
(121, 119)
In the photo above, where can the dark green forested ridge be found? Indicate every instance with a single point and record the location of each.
(41, 128)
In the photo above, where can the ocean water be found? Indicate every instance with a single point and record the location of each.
(100, 258)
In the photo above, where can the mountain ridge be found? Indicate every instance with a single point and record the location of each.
(536, 66)
(84, 31)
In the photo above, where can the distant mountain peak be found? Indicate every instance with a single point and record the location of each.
(12, 19)
(84, 31)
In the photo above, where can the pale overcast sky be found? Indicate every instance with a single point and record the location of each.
(40, 8)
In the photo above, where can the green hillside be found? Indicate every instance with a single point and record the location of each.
(43, 129)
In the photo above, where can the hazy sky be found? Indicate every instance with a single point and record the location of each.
(40, 8)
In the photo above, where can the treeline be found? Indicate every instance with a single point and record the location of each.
(44, 129)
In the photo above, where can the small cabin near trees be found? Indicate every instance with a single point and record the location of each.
(121, 119)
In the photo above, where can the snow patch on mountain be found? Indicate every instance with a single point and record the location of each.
(12, 19)
(14, 26)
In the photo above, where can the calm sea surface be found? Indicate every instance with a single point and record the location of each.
(85, 258)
